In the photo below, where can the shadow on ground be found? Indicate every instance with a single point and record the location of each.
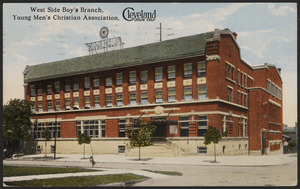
(142, 159)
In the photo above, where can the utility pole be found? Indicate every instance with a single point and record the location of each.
(55, 134)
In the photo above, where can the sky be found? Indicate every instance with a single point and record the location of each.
(267, 33)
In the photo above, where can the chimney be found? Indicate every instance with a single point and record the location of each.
(235, 35)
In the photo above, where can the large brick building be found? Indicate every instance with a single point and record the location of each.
(182, 85)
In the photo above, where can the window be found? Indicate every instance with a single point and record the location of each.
(159, 96)
(144, 76)
(49, 89)
(242, 75)
(246, 81)
(227, 120)
(76, 84)
(202, 125)
(108, 100)
(132, 77)
(188, 70)
(87, 83)
(87, 102)
(88, 127)
(144, 97)
(33, 106)
(40, 91)
(133, 98)
(121, 149)
(158, 74)
(67, 85)
(239, 79)
(202, 92)
(246, 100)
(76, 104)
(171, 95)
(103, 133)
(238, 100)
(32, 90)
(229, 71)
(57, 86)
(57, 104)
(184, 126)
(119, 78)
(96, 82)
(171, 72)
(108, 81)
(38, 129)
(202, 150)
(51, 127)
(97, 101)
(68, 104)
(122, 128)
(49, 105)
(188, 94)
(40, 106)
(201, 69)
(119, 99)
(230, 94)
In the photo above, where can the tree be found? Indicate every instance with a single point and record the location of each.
(47, 136)
(291, 145)
(141, 137)
(83, 139)
(16, 122)
(212, 136)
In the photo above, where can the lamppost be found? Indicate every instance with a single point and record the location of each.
(55, 133)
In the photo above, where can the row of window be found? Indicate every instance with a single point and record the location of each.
(274, 89)
(39, 129)
(119, 79)
(92, 128)
(188, 96)
(242, 97)
(228, 126)
(242, 77)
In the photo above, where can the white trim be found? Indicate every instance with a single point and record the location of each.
(46, 120)
(146, 105)
(275, 103)
(229, 64)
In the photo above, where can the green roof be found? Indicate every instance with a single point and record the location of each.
(145, 54)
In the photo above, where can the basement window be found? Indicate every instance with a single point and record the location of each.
(202, 150)
(121, 149)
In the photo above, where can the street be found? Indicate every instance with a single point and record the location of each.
(197, 173)
(277, 175)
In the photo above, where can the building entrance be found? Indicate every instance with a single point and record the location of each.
(161, 127)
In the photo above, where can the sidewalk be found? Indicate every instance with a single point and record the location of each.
(188, 160)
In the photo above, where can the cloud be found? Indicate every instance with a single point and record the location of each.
(258, 53)
(282, 10)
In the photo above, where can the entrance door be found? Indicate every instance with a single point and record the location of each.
(263, 139)
(161, 127)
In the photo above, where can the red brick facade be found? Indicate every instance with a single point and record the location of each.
(237, 99)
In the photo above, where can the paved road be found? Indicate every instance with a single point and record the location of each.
(281, 174)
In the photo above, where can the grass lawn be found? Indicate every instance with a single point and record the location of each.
(9, 171)
(165, 172)
(77, 181)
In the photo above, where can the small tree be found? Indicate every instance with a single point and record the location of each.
(141, 137)
(292, 145)
(212, 136)
(83, 139)
(47, 137)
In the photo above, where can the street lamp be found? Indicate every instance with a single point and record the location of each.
(55, 133)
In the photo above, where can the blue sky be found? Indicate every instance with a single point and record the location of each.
(267, 33)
